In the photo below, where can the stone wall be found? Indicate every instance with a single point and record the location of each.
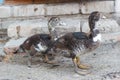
(33, 18)
(16, 13)
(55, 9)
(117, 6)
(12, 13)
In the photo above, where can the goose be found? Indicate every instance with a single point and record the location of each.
(39, 43)
(78, 43)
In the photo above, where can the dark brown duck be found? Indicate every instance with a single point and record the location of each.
(34, 44)
(78, 43)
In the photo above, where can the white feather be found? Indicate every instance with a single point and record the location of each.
(37, 49)
(40, 47)
(97, 38)
(27, 41)
(53, 29)
(55, 39)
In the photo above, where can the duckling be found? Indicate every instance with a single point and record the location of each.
(78, 43)
(39, 43)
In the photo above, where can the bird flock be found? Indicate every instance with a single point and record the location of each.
(76, 43)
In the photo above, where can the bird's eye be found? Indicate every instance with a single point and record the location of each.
(57, 19)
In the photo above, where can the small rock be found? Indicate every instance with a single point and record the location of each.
(27, 28)
(12, 45)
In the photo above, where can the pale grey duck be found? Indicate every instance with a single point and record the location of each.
(39, 43)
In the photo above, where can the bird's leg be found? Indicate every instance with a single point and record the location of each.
(80, 68)
(31, 53)
(29, 60)
(76, 61)
(47, 60)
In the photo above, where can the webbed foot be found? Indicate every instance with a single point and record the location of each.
(83, 66)
(77, 63)
(80, 68)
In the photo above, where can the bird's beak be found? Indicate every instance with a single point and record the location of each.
(102, 16)
(62, 23)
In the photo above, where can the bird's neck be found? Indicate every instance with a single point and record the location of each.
(92, 24)
(52, 31)
(92, 45)
(49, 27)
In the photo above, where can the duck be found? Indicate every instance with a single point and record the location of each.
(33, 44)
(39, 43)
(79, 43)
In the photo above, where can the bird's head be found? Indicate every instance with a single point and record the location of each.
(93, 18)
(55, 21)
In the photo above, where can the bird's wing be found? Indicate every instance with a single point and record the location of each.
(80, 35)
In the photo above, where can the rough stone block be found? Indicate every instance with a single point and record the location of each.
(102, 6)
(111, 38)
(27, 28)
(104, 25)
(31, 27)
(71, 25)
(5, 11)
(28, 10)
(117, 17)
(117, 6)
(12, 45)
(60, 9)
(1, 50)
(6, 23)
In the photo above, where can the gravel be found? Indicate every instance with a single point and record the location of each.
(104, 61)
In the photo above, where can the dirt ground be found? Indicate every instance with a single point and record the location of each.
(104, 61)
